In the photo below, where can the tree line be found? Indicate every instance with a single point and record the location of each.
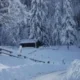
(52, 27)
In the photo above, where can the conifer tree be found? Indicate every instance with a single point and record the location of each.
(11, 21)
(37, 19)
(57, 25)
(68, 34)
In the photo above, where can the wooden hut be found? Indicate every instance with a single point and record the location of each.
(30, 43)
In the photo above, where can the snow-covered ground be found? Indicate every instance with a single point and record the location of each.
(49, 62)
(52, 76)
(73, 73)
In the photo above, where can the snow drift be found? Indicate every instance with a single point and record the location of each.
(73, 72)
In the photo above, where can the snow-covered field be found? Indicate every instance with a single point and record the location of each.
(44, 63)
(73, 73)
(52, 76)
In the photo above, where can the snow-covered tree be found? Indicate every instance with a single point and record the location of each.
(57, 25)
(68, 24)
(12, 21)
(18, 15)
(38, 18)
(3, 11)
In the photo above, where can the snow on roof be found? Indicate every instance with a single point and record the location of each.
(28, 41)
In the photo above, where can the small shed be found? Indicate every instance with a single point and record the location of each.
(30, 43)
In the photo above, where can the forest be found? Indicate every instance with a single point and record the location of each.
(53, 22)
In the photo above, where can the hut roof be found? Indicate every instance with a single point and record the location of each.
(28, 41)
